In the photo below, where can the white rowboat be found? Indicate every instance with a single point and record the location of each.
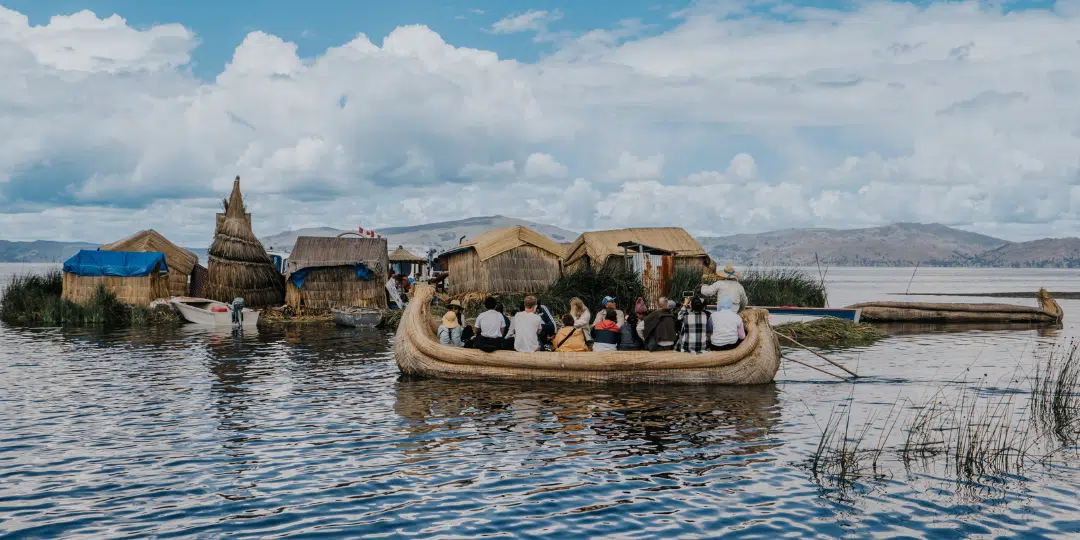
(208, 312)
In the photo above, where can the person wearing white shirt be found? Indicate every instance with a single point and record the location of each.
(392, 291)
(525, 328)
(490, 326)
(728, 287)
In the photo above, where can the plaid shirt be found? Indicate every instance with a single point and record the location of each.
(693, 337)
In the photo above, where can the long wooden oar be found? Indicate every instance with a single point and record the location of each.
(841, 377)
(853, 374)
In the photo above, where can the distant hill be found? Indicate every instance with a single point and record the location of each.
(40, 250)
(901, 244)
(1045, 253)
(419, 238)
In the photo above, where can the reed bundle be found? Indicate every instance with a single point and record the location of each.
(239, 266)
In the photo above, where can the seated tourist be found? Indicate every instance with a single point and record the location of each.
(605, 333)
(728, 329)
(660, 328)
(609, 303)
(629, 340)
(489, 328)
(525, 327)
(582, 317)
(694, 337)
(569, 338)
(450, 331)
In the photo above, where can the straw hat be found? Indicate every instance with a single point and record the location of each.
(730, 273)
(455, 303)
(449, 320)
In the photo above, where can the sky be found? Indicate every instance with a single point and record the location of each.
(721, 117)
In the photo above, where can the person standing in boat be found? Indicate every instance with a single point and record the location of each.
(728, 328)
(569, 338)
(449, 331)
(489, 327)
(728, 287)
(392, 292)
(525, 327)
(606, 333)
(694, 337)
(609, 303)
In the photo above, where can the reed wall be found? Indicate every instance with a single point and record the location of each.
(137, 291)
(328, 288)
(524, 269)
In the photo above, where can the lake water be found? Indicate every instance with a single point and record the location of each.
(310, 431)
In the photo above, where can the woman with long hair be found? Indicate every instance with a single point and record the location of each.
(582, 317)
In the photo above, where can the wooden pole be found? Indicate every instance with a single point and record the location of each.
(908, 289)
(853, 374)
(841, 377)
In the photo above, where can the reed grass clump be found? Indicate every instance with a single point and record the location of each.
(783, 287)
(831, 332)
(36, 299)
(592, 285)
(1055, 397)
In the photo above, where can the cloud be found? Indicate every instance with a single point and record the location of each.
(633, 168)
(958, 113)
(530, 21)
(540, 165)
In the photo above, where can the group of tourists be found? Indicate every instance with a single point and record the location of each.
(664, 326)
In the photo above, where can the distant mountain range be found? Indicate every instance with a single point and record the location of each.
(901, 244)
(420, 238)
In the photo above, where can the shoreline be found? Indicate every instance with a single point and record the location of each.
(1056, 295)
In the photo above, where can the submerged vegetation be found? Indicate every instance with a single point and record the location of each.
(828, 332)
(975, 431)
(36, 299)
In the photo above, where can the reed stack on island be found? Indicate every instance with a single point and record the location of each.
(238, 265)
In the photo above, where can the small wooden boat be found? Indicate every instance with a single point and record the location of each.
(418, 352)
(358, 317)
(1048, 312)
(211, 312)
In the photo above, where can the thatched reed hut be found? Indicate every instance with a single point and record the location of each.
(135, 278)
(186, 277)
(404, 262)
(599, 248)
(325, 273)
(238, 265)
(506, 261)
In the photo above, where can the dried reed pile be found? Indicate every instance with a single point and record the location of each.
(831, 332)
(239, 266)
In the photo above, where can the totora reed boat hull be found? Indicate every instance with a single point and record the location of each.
(1048, 312)
(418, 352)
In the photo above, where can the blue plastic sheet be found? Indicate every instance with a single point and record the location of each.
(299, 276)
(115, 263)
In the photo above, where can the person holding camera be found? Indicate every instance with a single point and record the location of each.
(694, 337)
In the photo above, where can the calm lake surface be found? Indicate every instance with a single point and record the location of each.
(309, 431)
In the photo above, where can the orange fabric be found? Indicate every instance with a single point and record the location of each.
(606, 325)
(576, 343)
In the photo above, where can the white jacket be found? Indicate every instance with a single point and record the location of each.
(731, 289)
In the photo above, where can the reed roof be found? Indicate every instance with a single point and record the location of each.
(322, 251)
(500, 241)
(599, 245)
(148, 241)
(401, 255)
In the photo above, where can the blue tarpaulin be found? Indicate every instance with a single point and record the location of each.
(299, 276)
(114, 263)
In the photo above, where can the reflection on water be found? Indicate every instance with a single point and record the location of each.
(309, 430)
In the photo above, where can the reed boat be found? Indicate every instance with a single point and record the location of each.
(1048, 312)
(211, 312)
(357, 317)
(418, 352)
